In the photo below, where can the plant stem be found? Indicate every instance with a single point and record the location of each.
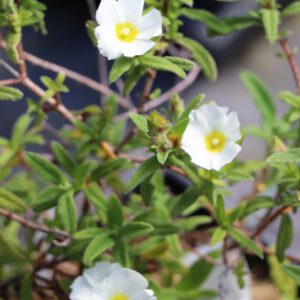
(84, 80)
(268, 220)
(61, 235)
(178, 88)
(292, 61)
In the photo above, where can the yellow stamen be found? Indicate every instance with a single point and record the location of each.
(215, 141)
(126, 32)
(119, 297)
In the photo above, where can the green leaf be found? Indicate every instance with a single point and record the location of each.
(64, 157)
(26, 288)
(44, 168)
(193, 104)
(144, 171)
(161, 64)
(196, 275)
(284, 236)
(121, 253)
(271, 21)
(293, 272)
(261, 96)
(190, 223)
(183, 63)
(48, 82)
(11, 202)
(187, 198)
(90, 28)
(245, 242)
(134, 229)
(220, 211)
(291, 10)
(19, 131)
(290, 98)
(47, 199)
(165, 229)
(96, 247)
(290, 156)
(10, 93)
(95, 195)
(107, 167)
(87, 234)
(114, 212)
(162, 155)
(140, 121)
(210, 20)
(67, 212)
(120, 66)
(202, 57)
(236, 213)
(218, 236)
(241, 22)
(175, 134)
(133, 77)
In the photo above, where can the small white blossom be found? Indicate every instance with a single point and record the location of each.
(211, 135)
(107, 281)
(124, 30)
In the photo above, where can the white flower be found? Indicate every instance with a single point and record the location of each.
(211, 135)
(124, 30)
(107, 281)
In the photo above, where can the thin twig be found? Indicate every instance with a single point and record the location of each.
(62, 235)
(60, 108)
(10, 69)
(81, 79)
(268, 220)
(150, 77)
(22, 65)
(178, 88)
(292, 61)
(12, 81)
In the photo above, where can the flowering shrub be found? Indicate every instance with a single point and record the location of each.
(89, 215)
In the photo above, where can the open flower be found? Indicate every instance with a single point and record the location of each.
(124, 30)
(108, 281)
(211, 135)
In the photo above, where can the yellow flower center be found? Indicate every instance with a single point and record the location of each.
(215, 141)
(119, 297)
(126, 32)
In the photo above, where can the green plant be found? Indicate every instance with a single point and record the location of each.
(68, 206)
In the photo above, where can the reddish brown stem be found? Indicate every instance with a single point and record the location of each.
(292, 61)
(62, 235)
(268, 220)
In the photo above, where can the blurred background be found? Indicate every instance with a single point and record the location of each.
(67, 44)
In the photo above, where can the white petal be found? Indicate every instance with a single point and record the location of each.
(131, 9)
(109, 13)
(200, 157)
(228, 154)
(232, 128)
(108, 44)
(199, 121)
(144, 295)
(128, 281)
(81, 289)
(214, 114)
(150, 25)
(98, 273)
(138, 47)
(191, 139)
(197, 129)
